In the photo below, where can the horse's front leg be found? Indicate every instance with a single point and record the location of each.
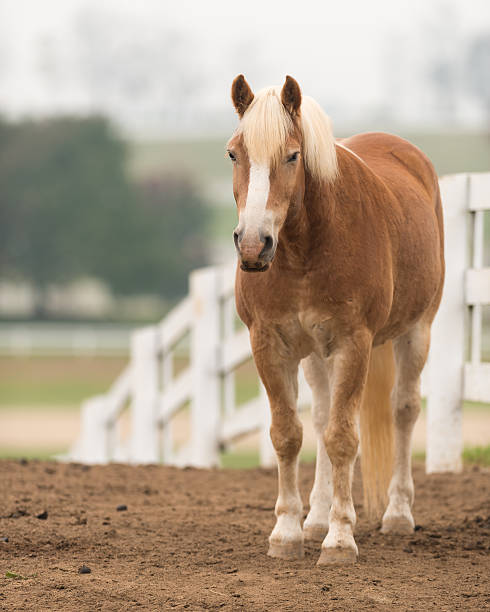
(278, 369)
(347, 375)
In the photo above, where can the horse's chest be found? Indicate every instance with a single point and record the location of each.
(309, 332)
(321, 330)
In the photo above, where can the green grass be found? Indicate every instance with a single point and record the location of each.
(50, 394)
(222, 222)
(250, 459)
(41, 454)
(461, 151)
(246, 382)
(238, 461)
(479, 455)
(453, 152)
(474, 455)
(204, 161)
(41, 382)
(203, 158)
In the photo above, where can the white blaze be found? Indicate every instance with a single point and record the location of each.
(252, 217)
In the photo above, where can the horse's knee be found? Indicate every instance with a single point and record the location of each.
(341, 443)
(406, 409)
(287, 438)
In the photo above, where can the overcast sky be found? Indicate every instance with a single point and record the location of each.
(168, 65)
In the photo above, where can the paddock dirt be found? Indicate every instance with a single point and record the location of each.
(196, 539)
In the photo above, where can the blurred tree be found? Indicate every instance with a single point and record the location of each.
(63, 185)
(167, 239)
(68, 210)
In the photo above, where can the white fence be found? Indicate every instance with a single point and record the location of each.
(154, 394)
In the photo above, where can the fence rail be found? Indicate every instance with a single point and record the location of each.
(154, 392)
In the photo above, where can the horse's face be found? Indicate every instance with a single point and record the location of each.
(263, 193)
(265, 189)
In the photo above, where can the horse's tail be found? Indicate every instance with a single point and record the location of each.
(377, 428)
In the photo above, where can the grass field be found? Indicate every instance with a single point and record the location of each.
(40, 382)
(204, 161)
(35, 390)
(205, 158)
(479, 455)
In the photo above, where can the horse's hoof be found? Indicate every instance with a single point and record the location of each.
(315, 533)
(397, 525)
(287, 550)
(337, 555)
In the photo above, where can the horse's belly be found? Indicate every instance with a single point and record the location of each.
(411, 305)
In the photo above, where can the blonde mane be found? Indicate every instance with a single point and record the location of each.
(266, 125)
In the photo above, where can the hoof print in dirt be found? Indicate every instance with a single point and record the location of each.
(43, 516)
(4, 539)
(84, 570)
(121, 508)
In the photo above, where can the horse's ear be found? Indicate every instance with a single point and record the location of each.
(241, 94)
(291, 96)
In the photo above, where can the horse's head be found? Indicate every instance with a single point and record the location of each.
(268, 168)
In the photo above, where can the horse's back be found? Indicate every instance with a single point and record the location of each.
(396, 161)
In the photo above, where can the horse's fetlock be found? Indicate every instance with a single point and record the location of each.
(345, 516)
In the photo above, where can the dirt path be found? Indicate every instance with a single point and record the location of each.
(196, 539)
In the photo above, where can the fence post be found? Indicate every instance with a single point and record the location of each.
(93, 445)
(206, 383)
(447, 354)
(144, 405)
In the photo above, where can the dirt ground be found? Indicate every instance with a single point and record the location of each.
(196, 539)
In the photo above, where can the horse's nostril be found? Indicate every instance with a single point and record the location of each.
(268, 243)
(267, 252)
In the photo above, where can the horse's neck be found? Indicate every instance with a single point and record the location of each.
(307, 223)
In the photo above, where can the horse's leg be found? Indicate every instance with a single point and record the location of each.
(347, 377)
(316, 524)
(410, 355)
(280, 378)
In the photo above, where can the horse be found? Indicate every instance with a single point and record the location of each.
(340, 269)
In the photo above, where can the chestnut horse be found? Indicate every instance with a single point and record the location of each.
(341, 267)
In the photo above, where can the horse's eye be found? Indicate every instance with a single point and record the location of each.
(231, 156)
(293, 157)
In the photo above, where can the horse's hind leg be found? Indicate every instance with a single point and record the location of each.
(410, 356)
(315, 526)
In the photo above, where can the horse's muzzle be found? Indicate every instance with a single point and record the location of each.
(257, 256)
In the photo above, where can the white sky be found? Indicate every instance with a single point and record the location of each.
(353, 55)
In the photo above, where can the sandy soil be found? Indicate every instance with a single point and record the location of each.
(196, 539)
